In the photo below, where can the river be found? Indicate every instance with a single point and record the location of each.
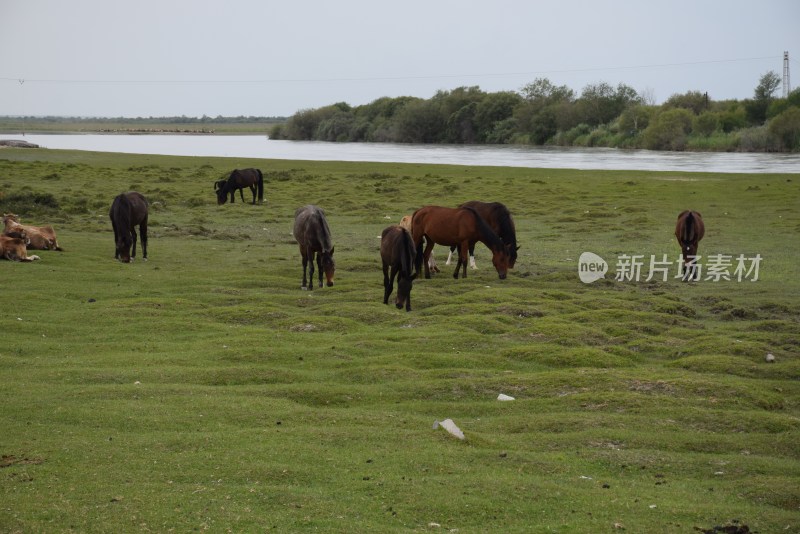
(259, 146)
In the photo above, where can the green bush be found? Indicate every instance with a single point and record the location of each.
(669, 130)
(785, 129)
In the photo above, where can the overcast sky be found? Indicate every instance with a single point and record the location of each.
(146, 58)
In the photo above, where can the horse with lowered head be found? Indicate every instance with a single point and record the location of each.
(689, 230)
(499, 218)
(398, 254)
(460, 227)
(127, 211)
(238, 180)
(313, 235)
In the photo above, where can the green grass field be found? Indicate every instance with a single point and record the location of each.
(203, 390)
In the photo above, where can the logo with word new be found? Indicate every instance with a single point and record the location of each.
(591, 267)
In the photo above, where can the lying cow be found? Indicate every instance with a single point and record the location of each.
(39, 237)
(14, 249)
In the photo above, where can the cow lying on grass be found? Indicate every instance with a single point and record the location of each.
(39, 237)
(14, 249)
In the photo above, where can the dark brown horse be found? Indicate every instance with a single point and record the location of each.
(689, 230)
(460, 227)
(499, 219)
(127, 211)
(239, 179)
(314, 237)
(398, 254)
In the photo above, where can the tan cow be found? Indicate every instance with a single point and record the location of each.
(39, 237)
(14, 249)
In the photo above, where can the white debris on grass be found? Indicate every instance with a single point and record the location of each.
(504, 397)
(450, 426)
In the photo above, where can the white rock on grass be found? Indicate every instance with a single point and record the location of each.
(504, 397)
(450, 426)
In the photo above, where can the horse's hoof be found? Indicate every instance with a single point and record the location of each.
(304, 288)
(144, 259)
(399, 306)
(330, 284)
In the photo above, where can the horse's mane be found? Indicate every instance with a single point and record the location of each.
(121, 209)
(323, 232)
(486, 232)
(508, 232)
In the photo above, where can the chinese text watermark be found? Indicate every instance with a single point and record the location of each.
(639, 268)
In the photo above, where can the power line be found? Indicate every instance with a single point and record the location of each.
(21, 80)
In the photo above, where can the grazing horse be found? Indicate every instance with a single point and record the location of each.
(128, 210)
(398, 254)
(499, 218)
(313, 235)
(239, 179)
(37, 237)
(459, 227)
(689, 230)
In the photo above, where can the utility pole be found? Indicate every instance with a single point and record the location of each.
(787, 86)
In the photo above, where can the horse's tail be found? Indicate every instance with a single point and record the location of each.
(491, 239)
(418, 258)
(260, 185)
(689, 233)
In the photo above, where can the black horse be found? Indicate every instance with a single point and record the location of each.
(128, 210)
(239, 179)
(398, 254)
(314, 237)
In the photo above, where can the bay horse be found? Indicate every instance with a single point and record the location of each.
(460, 227)
(689, 230)
(127, 211)
(239, 179)
(499, 218)
(313, 235)
(398, 254)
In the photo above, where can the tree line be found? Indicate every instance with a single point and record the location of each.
(542, 113)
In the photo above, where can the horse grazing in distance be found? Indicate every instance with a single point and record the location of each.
(499, 219)
(460, 227)
(689, 230)
(127, 211)
(398, 255)
(314, 237)
(239, 179)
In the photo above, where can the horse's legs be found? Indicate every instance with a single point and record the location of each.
(116, 239)
(241, 194)
(133, 243)
(305, 266)
(253, 190)
(463, 253)
(450, 255)
(319, 267)
(426, 256)
(388, 283)
(472, 257)
(143, 233)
